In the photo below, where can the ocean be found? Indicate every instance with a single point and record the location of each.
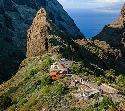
(91, 22)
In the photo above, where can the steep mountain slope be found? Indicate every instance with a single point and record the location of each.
(114, 33)
(31, 90)
(44, 37)
(15, 18)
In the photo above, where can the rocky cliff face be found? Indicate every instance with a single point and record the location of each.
(38, 37)
(44, 36)
(16, 16)
(114, 33)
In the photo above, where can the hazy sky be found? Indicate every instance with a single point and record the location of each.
(88, 3)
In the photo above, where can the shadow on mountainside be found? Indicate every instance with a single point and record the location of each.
(115, 37)
(10, 59)
(91, 60)
(16, 16)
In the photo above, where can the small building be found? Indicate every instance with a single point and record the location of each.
(56, 75)
(59, 69)
(87, 92)
(81, 80)
(78, 79)
(108, 89)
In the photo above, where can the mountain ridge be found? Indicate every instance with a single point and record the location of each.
(113, 33)
(16, 16)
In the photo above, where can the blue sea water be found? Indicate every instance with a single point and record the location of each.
(91, 22)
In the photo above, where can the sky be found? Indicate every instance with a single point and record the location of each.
(88, 3)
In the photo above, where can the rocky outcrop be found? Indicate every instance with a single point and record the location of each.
(16, 17)
(38, 37)
(114, 33)
(44, 36)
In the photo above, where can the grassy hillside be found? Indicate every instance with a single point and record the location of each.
(31, 89)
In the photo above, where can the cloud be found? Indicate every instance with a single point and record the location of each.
(88, 3)
(109, 1)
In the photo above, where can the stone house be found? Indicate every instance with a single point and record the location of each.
(81, 80)
(108, 89)
(87, 92)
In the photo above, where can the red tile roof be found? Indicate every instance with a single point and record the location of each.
(53, 73)
(84, 87)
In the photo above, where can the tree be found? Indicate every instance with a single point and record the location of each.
(59, 56)
(46, 80)
(120, 80)
(77, 67)
(107, 102)
(110, 74)
(5, 101)
(61, 89)
(47, 63)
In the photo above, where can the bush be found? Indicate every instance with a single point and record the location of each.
(70, 96)
(61, 89)
(37, 83)
(5, 101)
(106, 102)
(77, 68)
(46, 90)
(12, 108)
(74, 88)
(74, 109)
(47, 63)
(59, 56)
(46, 80)
(12, 89)
(34, 71)
(22, 101)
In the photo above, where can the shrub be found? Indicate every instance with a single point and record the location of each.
(59, 56)
(14, 100)
(12, 108)
(46, 80)
(77, 68)
(5, 101)
(12, 89)
(47, 63)
(34, 71)
(74, 109)
(74, 88)
(106, 102)
(22, 101)
(70, 96)
(61, 89)
(37, 83)
(46, 90)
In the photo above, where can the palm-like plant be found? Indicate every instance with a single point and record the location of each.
(110, 74)
(120, 80)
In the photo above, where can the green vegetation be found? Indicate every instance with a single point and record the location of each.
(59, 56)
(32, 89)
(34, 71)
(74, 88)
(77, 67)
(46, 80)
(106, 104)
(61, 89)
(46, 64)
(110, 74)
(80, 69)
(5, 101)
